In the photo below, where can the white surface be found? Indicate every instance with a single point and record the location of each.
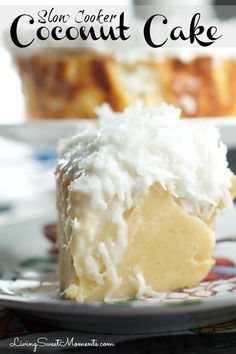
(227, 127)
(47, 133)
(27, 188)
(12, 100)
(41, 133)
(22, 177)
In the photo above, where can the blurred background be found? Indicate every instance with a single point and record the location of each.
(10, 85)
(33, 89)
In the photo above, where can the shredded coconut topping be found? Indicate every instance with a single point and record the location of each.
(125, 153)
(112, 165)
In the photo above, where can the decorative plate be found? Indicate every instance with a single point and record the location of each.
(213, 301)
(46, 133)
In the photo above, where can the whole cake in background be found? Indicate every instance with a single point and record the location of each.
(70, 84)
(137, 195)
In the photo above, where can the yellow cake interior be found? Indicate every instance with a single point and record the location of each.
(167, 247)
(137, 198)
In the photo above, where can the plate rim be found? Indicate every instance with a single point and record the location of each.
(64, 306)
(221, 120)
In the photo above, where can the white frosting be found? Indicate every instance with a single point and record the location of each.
(125, 153)
(188, 103)
(140, 80)
(115, 162)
